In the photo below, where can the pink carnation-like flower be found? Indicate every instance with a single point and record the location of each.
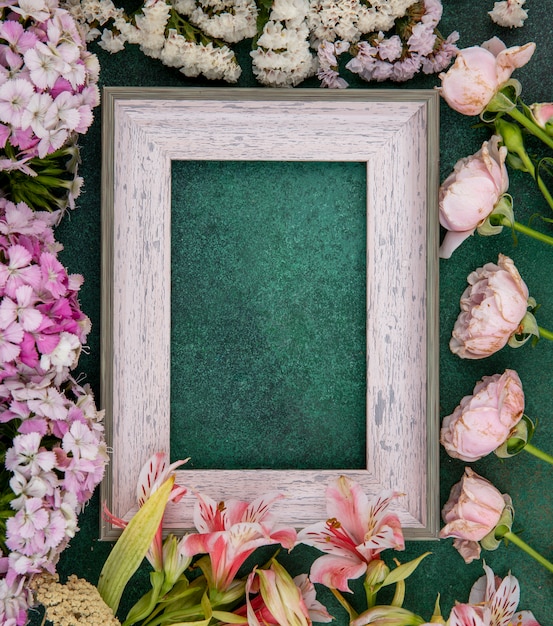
(471, 192)
(59, 455)
(46, 68)
(483, 421)
(479, 73)
(472, 511)
(492, 309)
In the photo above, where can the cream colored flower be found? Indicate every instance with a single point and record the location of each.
(509, 13)
(77, 603)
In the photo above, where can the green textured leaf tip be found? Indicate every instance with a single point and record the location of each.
(132, 546)
(404, 571)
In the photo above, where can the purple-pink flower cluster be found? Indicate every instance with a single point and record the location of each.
(58, 455)
(47, 80)
(42, 327)
(399, 57)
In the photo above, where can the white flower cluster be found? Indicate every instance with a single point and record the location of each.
(230, 20)
(189, 35)
(194, 59)
(153, 32)
(283, 57)
(391, 58)
(92, 13)
(349, 19)
(509, 13)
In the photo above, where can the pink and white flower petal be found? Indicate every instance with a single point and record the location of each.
(153, 474)
(336, 571)
(346, 501)
(505, 600)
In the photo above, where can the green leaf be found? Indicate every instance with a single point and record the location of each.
(403, 571)
(132, 546)
(144, 607)
(229, 618)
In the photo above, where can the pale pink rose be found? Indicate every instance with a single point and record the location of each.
(492, 308)
(470, 193)
(479, 72)
(472, 511)
(542, 113)
(484, 421)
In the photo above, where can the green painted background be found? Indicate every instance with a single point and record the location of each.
(527, 480)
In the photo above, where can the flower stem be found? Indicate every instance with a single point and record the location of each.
(526, 230)
(531, 126)
(532, 171)
(524, 546)
(345, 604)
(545, 334)
(540, 454)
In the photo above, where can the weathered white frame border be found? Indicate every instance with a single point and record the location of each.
(396, 134)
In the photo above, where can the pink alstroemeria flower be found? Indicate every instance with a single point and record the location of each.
(231, 530)
(492, 602)
(273, 598)
(355, 533)
(152, 475)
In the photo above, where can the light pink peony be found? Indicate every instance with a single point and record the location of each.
(472, 511)
(470, 193)
(492, 308)
(479, 72)
(484, 421)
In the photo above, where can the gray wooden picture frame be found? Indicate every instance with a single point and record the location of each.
(396, 134)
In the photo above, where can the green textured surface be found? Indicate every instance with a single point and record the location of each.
(268, 314)
(526, 479)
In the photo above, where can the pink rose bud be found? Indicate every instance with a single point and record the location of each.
(484, 421)
(470, 193)
(473, 510)
(492, 309)
(479, 72)
(543, 114)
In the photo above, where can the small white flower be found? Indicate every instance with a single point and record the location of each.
(15, 95)
(110, 42)
(509, 13)
(37, 9)
(65, 354)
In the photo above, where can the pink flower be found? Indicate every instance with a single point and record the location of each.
(230, 531)
(54, 275)
(472, 511)
(10, 340)
(14, 98)
(357, 531)
(279, 601)
(317, 611)
(19, 271)
(542, 114)
(479, 73)
(492, 602)
(484, 421)
(22, 310)
(492, 309)
(152, 476)
(471, 192)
